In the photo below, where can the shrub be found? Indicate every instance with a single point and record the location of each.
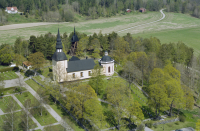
(40, 71)
(182, 118)
(16, 68)
(29, 73)
(149, 124)
(140, 127)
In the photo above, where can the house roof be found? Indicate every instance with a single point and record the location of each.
(80, 65)
(27, 63)
(74, 58)
(11, 8)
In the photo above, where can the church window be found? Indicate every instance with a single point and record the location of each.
(81, 74)
(89, 73)
(109, 69)
(73, 75)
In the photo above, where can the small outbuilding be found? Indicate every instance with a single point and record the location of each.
(128, 10)
(142, 10)
(26, 64)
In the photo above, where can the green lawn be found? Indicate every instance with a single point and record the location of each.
(68, 119)
(18, 121)
(12, 90)
(1, 67)
(45, 71)
(9, 75)
(45, 119)
(54, 128)
(4, 101)
(24, 96)
(33, 84)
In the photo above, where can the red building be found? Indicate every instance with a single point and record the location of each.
(128, 10)
(142, 10)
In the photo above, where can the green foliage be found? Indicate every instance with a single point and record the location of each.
(29, 73)
(6, 69)
(149, 124)
(182, 118)
(140, 127)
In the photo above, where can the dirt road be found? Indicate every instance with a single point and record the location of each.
(25, 25)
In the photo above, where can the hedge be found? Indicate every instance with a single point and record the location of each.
(16, 68)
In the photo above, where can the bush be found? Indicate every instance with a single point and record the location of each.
(182, 118)
(16, 68)
(40, 71)
(177, 123)
(29, 73)
(6, 69)
(140, 127)
(149, 124)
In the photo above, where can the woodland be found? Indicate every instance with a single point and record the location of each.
(71, 10)
(168, 73)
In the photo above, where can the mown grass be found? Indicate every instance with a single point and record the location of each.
(4, 103)
(54, 128)
(18, 121)
(24, 96)
(12, 90)
(8, 75)
(33, 84)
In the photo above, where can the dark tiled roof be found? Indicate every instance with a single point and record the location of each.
(74, 58)
(59, 56)
(106, 59)
(80, 65)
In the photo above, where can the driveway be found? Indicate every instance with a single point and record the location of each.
(11, 83)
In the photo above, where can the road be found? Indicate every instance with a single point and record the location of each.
(25, 25)
(161, 11)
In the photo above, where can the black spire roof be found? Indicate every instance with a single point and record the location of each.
(59, 43)
(74, 37)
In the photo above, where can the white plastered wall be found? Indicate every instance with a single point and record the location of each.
(78, 75)
(105, 68)
(59, 70)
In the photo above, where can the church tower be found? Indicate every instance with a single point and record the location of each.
(59, 62)
(74, 41)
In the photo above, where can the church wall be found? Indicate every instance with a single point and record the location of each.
(106, 70)
(59, 70)
(78, 75)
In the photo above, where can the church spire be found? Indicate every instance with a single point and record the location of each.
(58, 43)
(74, 37)
(74, 31)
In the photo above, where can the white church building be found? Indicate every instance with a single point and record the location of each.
(74, 68)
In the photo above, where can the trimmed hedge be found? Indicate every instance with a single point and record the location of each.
(16, 68)
(6, 69)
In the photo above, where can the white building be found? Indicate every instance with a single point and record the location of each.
(108, 64)
(76, 69)
(11, 10)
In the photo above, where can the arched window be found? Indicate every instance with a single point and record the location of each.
(109, 69)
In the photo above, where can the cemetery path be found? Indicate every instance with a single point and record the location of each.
(11, 83)
(47, 107)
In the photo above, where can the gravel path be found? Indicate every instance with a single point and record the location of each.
(25, 25)
(161, 11)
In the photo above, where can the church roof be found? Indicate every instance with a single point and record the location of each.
(74, 37)
(74, 58)
(58, 43)
(80, 65)
(59, 56)
(106, 58)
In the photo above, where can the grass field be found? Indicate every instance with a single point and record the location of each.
(12, 90)
(89, 27)
(8, 75)
(26, 95)
(4, 101)
(17, 18)
(33, 84)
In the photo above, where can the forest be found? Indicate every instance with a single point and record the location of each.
(69, 10)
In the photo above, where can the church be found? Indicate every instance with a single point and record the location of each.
(74, 68)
